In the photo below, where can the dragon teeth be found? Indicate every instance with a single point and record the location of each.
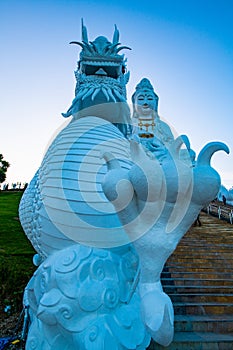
(101, 63)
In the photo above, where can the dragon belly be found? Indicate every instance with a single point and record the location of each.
(64, 204)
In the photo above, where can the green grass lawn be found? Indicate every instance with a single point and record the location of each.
(16, 252)
(12, 238)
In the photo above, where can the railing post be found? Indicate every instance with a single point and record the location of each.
(230, 216)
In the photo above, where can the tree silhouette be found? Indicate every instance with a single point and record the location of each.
(4, 165)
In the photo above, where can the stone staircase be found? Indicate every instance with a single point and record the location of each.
(198, 277)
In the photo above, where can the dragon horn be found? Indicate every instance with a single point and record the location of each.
(83, 45)
(84, 33)
(116, 36)
(123, 48)
(78, 43)
(111, 48)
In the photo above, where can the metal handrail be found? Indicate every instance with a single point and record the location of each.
(220, 211)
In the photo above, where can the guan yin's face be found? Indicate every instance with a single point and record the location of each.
(145, 103)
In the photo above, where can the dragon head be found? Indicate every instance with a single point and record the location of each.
(101, 79)
(101, 57)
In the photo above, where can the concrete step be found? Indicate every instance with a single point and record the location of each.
(173, 289)
(206, 242)
(210, 250)
(198, 282)
(210, 240)
(196, 275)
(189, 263)
(217, 260)
(204, 323)
(198, 269)
(197, 341)
(202, 298)
(203, 308)
(224, 247)
(197, 242)
(203, 257)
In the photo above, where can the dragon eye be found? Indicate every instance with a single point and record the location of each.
(90, 70)
(109, 71)
(112, 71)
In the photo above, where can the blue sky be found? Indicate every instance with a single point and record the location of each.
(184, 47)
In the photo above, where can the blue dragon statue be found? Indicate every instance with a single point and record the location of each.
(104, 212)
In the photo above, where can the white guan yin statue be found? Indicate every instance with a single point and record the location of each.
(104, 212)
(148, 128)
